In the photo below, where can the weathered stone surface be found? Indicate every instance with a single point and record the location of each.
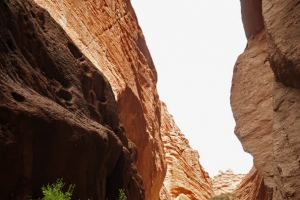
(286, 142)
(164, 194)
(252, 187)
(252, 16)
(226, 182)
(185, 178)
(107, 32)
(252, 103)
(58, 114)
(267, 111)
(282, 21)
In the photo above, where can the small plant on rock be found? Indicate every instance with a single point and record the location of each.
(54, 191)
(122, 195)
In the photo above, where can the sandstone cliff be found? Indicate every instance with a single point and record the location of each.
(226, 182)
(58, 114)
(265, 91)
(107, 32)
(185, 178)
(252, 187)
(251, 101)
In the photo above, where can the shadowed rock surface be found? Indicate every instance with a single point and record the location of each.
(58, 114)
(107, 32)
(251, 11)
(252, 187)
(282, 24)
(265, 98)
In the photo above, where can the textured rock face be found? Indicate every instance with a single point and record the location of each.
(185, 178)
(58, 114)
(265, 99)
(226, 182)
(108, 34)
(286, 142)
(252, 103)
(282, 25)
(252, 187)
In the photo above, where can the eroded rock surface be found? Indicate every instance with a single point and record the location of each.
(252, 187)
(252, 103)
(265, 98)
(185, 178)
(107, 32)
(58, 114)
(282, 24)
(226, 182)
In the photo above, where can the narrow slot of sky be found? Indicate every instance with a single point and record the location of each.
(194, 45)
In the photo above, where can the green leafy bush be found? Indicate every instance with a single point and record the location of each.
(122, 195)
(227, 196)
(54, 191)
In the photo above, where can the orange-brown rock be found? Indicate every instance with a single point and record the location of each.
(58, 114)
(282, 25)
(252, 16)
(264, 98)
(107, 32)
(252, 187)
(252, 103)
(185, 178)
(226, 182)
(286, 142)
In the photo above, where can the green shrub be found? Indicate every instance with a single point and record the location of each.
(227, 196)
(54, 191)
(122, 195)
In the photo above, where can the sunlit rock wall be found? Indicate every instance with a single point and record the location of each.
(265, 94)
(186, 178)
(107, 32)
(226, 182)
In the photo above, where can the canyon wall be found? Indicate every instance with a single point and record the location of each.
(107, 32)
(185, 178)
(226, 182)
(265, 94)
(58, 114)
(252, 187)
(116, 45)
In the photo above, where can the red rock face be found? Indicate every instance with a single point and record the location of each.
(185, 178)
(58, 114)
(264, 98)
(252, 16)
(252, 187)
(107, 32)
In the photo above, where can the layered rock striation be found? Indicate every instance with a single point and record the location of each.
(264, 96)
(226, 182)
(252, 187)
(185, 178)
(107, 32)
(58, 114)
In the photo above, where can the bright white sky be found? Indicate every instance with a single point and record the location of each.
(194, 45)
